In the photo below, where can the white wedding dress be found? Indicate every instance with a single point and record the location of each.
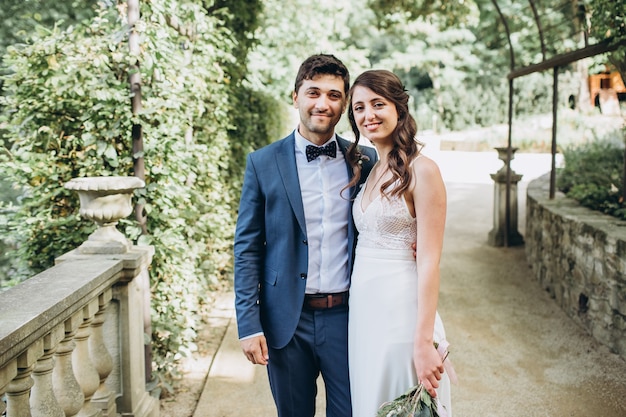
(383, 307)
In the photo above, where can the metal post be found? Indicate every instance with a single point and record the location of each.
(555, 100)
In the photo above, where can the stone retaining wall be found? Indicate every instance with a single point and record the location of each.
(579, 257)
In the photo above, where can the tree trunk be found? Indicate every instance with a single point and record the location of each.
(135, 88)
(139, 168)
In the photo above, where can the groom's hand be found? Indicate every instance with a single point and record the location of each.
(414, 247)
(255, 349)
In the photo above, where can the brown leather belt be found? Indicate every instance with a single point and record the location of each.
(323, 301)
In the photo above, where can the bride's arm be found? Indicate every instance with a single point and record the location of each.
(429, 200)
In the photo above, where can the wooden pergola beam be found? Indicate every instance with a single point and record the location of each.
(567, 58)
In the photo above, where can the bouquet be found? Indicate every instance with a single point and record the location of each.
(417, 402)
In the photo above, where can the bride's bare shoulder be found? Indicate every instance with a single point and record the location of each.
(422, 165)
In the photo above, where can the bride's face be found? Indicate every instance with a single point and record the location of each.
(375, 116)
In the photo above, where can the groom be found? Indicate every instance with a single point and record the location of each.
(294, 245)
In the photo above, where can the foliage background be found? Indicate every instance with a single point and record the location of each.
(67, 105)
(217, 77)
(593, 174)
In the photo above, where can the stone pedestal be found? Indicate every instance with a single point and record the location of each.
(504, 234)
(106, 200)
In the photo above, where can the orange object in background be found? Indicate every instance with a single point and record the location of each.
(606, 90)
(604, 83)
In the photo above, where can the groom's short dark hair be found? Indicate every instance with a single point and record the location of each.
(322, 64)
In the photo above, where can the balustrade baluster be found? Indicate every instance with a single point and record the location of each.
(84, 369)
(7, 373)
(43, 402)
(66, 388)
(103, 398)
(18, 390)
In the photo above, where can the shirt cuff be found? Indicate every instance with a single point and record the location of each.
(251, 336)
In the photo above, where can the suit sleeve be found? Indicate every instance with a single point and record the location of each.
(249, 250)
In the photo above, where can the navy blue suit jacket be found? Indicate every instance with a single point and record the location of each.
(271, 252)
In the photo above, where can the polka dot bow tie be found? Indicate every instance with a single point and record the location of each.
(313, 152)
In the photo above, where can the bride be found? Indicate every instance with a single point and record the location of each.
(393, 321)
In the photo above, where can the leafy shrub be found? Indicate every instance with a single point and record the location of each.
(593, 174)
(67, 101)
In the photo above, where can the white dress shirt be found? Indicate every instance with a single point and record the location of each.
(327, 215)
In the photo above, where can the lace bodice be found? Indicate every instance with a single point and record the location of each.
(385, 224)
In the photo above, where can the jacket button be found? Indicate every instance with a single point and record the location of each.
(305, 242)
(303, 275)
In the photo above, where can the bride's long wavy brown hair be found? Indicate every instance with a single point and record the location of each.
(405, 146)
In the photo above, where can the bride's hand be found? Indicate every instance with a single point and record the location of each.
(428, 366)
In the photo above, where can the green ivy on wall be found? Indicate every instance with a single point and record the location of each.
(67, 101)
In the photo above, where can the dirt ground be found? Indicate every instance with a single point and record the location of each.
(196, 368)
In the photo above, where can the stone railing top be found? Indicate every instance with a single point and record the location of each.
(33, 308)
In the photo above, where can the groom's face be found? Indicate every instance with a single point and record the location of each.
(320, 103)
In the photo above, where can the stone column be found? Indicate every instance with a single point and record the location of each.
(84, 369)
(104, 398)
(502, 233)
(43, 403)
(66, 388)
(18, 390)
(6, 375)
(135, 401)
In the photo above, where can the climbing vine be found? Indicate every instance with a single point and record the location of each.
(66, 101)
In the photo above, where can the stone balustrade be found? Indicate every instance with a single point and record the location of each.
(579, 257)
(72, 337)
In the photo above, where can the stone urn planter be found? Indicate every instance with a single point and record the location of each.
(105, 200)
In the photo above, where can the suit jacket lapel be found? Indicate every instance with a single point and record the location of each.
(343, 145)
(286, 161)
